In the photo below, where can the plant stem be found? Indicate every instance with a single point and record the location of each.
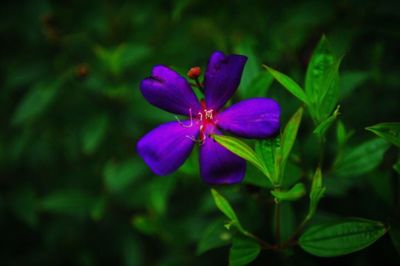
(301, 227)
(321, 150)
(293, 239)
(277, 222)
(263, 243)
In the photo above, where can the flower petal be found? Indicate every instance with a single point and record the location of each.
(168, 90)
(252, 118)
(218, 165)
(166, 147)
(222, 78)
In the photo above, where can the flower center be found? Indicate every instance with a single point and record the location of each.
(206, 119)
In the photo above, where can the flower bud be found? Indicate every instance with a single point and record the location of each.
(194, 72)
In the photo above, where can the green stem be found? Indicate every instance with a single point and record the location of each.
(321, 141)
(301, 227)
(277, 222)
(263, 243)
(293, 239)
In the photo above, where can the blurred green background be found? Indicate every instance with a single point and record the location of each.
(73, 189)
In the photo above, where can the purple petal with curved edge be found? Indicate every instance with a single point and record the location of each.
(166, 147)
(222, 78)
(252, 118)
(218, 165)
(168, 90)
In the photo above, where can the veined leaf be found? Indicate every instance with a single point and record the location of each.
(388, 131)
(322, 80)
(330, 97)
(316, 193)
(269, 151)
(224, 206)
(288, 83)
(296, 192)
(243, 251)
(362, 158)
(341, 237)
(242, 150)
(289, 135)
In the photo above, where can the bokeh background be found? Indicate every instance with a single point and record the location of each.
(73, 190)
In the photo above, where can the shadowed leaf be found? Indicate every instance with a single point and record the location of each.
(341, 237)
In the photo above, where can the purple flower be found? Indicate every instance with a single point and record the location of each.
(166, 147)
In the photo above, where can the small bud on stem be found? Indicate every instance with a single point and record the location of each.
(194, 72)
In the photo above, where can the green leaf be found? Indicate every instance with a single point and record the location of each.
(296, 192)
(36, 101)
(341, 134)
(291, 176)
(289, 135)
(120, 175)
(341, 237)
(321, 129)
(120, 57)
(394, 233)
(361, 159)
(214, 236)
(255, 177)
(144, 224)
(130, 249)
(252, 67)
(224, 206)
(94, 133)
(329, 100)
(99, 208)
(179, 8)
(320, 64)
(242, 150)
(381, 184)
(322, 81)
(68, 201)
(288, 83)
(259, 86)
(269, 151)
(351, 80)
(24, 201)
(243, 251)
(388, 131)
(160, 190)
(396, 167)
(316, 193)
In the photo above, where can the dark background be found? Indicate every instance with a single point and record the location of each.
(73, 190)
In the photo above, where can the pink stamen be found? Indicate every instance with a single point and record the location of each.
(191, 120)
